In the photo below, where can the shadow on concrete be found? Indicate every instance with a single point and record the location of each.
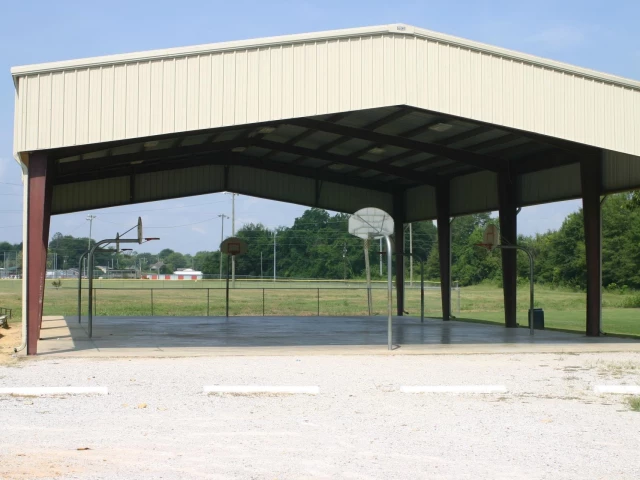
(181, 335)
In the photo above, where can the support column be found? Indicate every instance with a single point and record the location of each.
(398, 221)
(39, 214)
(509, 236)
(591, 181)
(444, 246)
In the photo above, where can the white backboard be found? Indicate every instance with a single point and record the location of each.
(371, 222)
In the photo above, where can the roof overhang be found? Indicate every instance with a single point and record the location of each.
(338, 120)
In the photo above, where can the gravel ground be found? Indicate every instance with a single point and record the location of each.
(157, 424)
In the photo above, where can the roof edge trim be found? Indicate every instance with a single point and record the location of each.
(395, 28)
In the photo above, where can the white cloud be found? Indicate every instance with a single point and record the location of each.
(560, 37)
(199, 230)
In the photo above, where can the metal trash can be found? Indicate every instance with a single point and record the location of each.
(538, 319)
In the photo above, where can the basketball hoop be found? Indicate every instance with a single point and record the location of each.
(234, 246)
(490, 237)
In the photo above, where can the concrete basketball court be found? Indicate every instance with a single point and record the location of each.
(200, 336)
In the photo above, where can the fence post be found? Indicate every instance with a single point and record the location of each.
(208, 301)
(263, 302)
(318, 302)
(152, 302)
(95, 301)
(458, 287)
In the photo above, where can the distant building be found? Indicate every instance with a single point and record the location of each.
(179, 274)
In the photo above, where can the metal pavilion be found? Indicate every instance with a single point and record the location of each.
(417, 123)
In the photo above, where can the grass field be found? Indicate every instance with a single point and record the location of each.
(563, 308)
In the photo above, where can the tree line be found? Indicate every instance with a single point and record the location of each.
(318, 245)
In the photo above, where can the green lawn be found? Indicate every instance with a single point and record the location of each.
(564, 308)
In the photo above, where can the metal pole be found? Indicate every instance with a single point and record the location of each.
(90, 218)
(274, 255)
(411, 253)
(82, 257)
(208, 291)
(459, 306)
(227, 309)
(90, 292)
(222, 217)
(319, 304)
(260, 266)
(421, 291)
(518, 247)
(233, 234)
(380, 251)
(389, 296)
(604, 198)
(152, 302)
(368, 273)
(263, 302)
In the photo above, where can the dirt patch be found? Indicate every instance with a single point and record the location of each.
(9, 339)
(34, 464)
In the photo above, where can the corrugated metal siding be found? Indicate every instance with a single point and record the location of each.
(88, 195)
(271, 185)
(210, 179)
(421, 203)
(620, 171)
(477, 192)
(232, 87)
(179, 183)
(555, 184)
(348, 199)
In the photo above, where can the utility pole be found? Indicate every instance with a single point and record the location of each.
(411, 255)
(90, 218)
(274, 255)
(233, 234)
(222, 217)
(344, 262)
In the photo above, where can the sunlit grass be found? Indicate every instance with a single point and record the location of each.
(563, 308)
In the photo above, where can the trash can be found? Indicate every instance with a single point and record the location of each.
(538, 319)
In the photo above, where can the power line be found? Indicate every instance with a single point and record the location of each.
(14, 184)
(186, 224)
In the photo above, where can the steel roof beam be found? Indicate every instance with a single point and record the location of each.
(482, 161)
(416, 177)
(226, 159)
(371, 126)
(567, 145)
(116, 161)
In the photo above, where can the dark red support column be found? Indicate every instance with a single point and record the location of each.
(444, 246)
(398, 220)
(38, 216)
(591, 180)
(509, 236)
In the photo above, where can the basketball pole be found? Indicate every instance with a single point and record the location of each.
(367, 265)
(227, 296)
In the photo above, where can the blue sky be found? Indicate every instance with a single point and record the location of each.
(596, 34)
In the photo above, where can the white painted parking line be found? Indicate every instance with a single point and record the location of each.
(623, 389)
(258, 389)
(40, 391)
(453, 389)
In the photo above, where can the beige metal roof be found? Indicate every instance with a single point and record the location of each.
(176, 90)
(339, 120)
